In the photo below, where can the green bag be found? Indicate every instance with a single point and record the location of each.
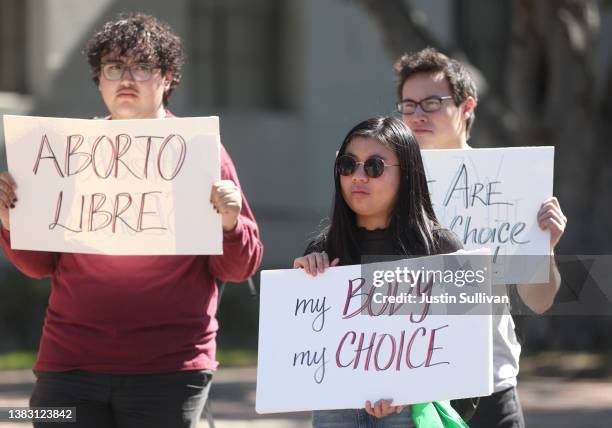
(437, 414)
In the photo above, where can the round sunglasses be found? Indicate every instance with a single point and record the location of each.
(373, 167)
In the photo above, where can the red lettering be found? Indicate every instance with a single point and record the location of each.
(94, 209)
(431, 348)
(71, 151)
(391, 356)
(409, 347)
(117, 213)
(142, 212)
(120, 151)
(44, 142)
(338, 363)
(181, 158)
(111, 158)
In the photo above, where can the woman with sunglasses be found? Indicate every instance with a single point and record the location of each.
(381, 207)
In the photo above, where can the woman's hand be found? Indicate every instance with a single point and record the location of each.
(7, 198)
(314, 263)
(382, 408)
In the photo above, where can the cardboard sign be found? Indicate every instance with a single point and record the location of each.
(120, 187)
(343, 337)
(491, 197)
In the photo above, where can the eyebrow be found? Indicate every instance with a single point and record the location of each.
(375, 155)
(423, 99)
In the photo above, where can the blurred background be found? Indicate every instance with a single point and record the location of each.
(288, 79)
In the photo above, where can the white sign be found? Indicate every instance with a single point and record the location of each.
(121, 187)
(335, 340)
(491, 198)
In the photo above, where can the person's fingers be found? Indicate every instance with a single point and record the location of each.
(306, 265)
(7, 199)
(548, 211)
(5, 176)
(213, 193)
(8, 191)
(556, 216)
(368, 408)
(225, 201)
(228, 203)
(554, 225)
(551, 207)
(312, 264)
(375, 408)
(223, 192)
(335, 261)
(545, 208)
(320, 263)
(325, 260)
(387, 408)
(398, 409)
(222, 183)
(223, 187)
(555, 201)
(4, 197)
(378, 408)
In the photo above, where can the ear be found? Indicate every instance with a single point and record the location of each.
(468, 107)
(167, 80)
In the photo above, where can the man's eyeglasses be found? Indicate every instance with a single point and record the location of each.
(139, 72)
(373, 167)
(428, 105)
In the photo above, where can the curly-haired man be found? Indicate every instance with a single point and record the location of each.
(130, 340)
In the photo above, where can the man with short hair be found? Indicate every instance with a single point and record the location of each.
(130, 340)
(437, 100)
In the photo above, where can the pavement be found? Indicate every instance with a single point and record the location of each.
(547, 401)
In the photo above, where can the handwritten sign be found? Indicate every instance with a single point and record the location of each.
(122, 187)
(336, 340)
(491, 197)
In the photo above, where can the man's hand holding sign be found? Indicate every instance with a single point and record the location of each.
(8, 198)
(227, 201)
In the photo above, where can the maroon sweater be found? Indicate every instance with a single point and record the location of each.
(137, 314)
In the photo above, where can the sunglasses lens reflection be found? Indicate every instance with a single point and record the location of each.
(346, 165)
(374, 167)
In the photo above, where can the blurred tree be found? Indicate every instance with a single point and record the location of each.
(549, 96)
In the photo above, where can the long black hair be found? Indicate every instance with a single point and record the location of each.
(413, 217)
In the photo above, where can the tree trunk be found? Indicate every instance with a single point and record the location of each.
(551, 84)
(551, 78)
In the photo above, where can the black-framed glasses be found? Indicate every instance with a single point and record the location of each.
(428, 105)
(373, 167)
(139, 72)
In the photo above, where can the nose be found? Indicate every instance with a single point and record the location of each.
(419, 116)
(127, 71)
(360, 176)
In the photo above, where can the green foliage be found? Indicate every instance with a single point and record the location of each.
(17, 360)
(24, 360)
(237, 357)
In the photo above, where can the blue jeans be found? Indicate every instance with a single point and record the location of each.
(125, 401)
(358, 418)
